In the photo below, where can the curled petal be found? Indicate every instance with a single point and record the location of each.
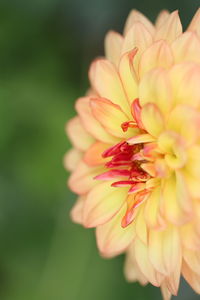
(91, 125)
(106, 81)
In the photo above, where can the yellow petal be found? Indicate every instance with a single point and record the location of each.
(170, 29)
(112, 238)
(82, 178)
(185, 121)
(155, 88)
(111, 117)
(159, 54)
(78, 135)
(140, 226)
(136, 16)
(90, 123)
(152, 119)
(184, 80)
(152, 214)
(128, 75)
(113, 44)
(102, 203)
(186, 48)
(105, 80)
(171, 202)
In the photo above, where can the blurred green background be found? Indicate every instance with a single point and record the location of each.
(45, 50)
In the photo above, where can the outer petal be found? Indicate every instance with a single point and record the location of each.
(82, 179)
(192, 258)
(185, 80)
(111, 117)
(186, 48)
(136, 16)
(77, 134)
(159, 54)
(102, 203)
(132, 272)
(143, 262)
(128, 75)
(113, 45)
(112, 239)
(195, 23)
(77, 210)
(162, 17)
(93, 156)
(90, 123)
(105, 80)
(191, 277)
(72, 158)
(155, 88)
(170, 29)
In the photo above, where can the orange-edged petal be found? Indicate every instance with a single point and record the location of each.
(136, 16)
(111, 117)
(128, 75)
(93, 156)
(90, 123)
(113, 45)
(170, 29)
(78, 135)
(112, 239)
(159, 54)
(106, 81)
(102, 203)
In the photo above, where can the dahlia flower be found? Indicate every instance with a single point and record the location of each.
(135, 160)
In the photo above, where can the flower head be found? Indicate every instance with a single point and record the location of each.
(136, 157)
